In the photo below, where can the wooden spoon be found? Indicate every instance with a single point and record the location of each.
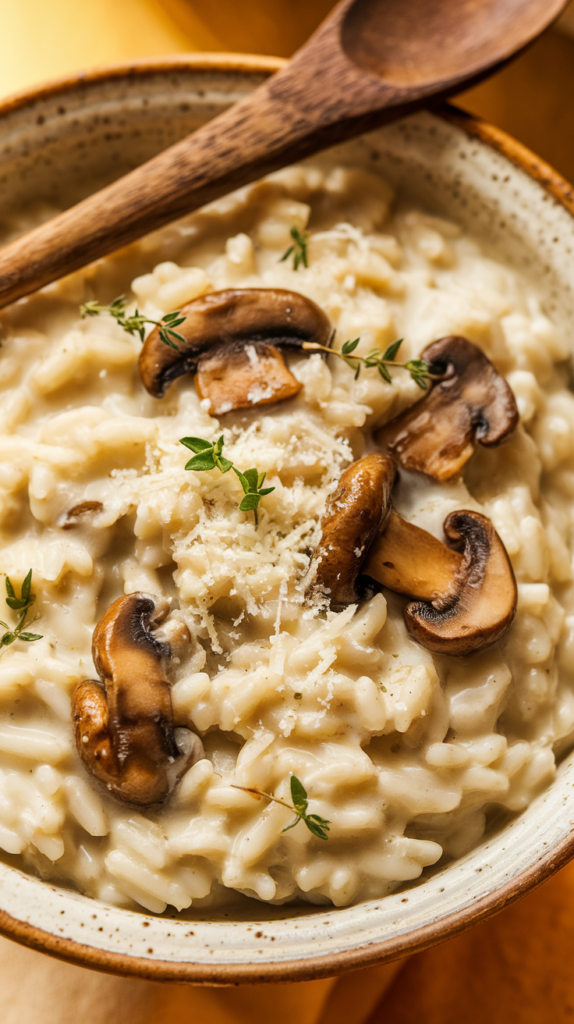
(369, 62)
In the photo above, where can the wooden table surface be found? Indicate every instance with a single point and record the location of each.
(515, 969)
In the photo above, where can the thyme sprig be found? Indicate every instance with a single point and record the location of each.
(209, 456)
(418, 369)
(317, 825)
(135, 324)
(22, 605)
(299, 248)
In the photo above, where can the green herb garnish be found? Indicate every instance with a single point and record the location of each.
(317, 825)
(135, 324)
(253, 489)
(299, 248)
(418, 369)
(209, 456)
(22, 605)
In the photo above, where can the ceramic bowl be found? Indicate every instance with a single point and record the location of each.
(55, 142)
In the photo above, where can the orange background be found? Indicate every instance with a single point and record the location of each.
(518, 967)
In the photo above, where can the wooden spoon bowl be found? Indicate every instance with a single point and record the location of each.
(419, 45)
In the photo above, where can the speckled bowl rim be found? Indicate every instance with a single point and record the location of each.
(419, 938)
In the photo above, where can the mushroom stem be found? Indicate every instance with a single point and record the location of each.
(242, 377)
(411, 561)
(467, 600)
(124, 724)
(465, 589)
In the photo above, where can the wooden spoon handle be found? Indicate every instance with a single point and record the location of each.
(289, 116)
(223, 154)
(332, 89)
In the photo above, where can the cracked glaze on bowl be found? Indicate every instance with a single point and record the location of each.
(55, 144)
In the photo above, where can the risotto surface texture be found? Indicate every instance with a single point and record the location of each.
(407, 754)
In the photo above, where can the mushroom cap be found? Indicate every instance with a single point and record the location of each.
(480, 607)
(471, 402)
(352, 520)
(123, 637)
(224, 322)
(124, 724)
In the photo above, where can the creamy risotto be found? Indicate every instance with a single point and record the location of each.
(406, 753)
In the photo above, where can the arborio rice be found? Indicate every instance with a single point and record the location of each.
(407, 754)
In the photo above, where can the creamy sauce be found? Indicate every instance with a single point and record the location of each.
(400, 750)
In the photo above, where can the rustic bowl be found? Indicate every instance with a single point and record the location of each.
(55, 142)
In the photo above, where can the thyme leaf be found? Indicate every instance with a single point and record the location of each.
(317, 825)
(253, 489)
(208, 455)
(419, 370)
(299, 248)
(135, 324)
(22, 605)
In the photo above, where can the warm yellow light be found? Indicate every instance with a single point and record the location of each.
(45, 39)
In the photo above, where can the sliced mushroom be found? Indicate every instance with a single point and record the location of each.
(233, 342)
(124, 725)
(73, 516)
(466, 589)
(471, 402)
(354, 516)
(467, 596)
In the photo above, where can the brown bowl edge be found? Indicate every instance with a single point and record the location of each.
(375, 953)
